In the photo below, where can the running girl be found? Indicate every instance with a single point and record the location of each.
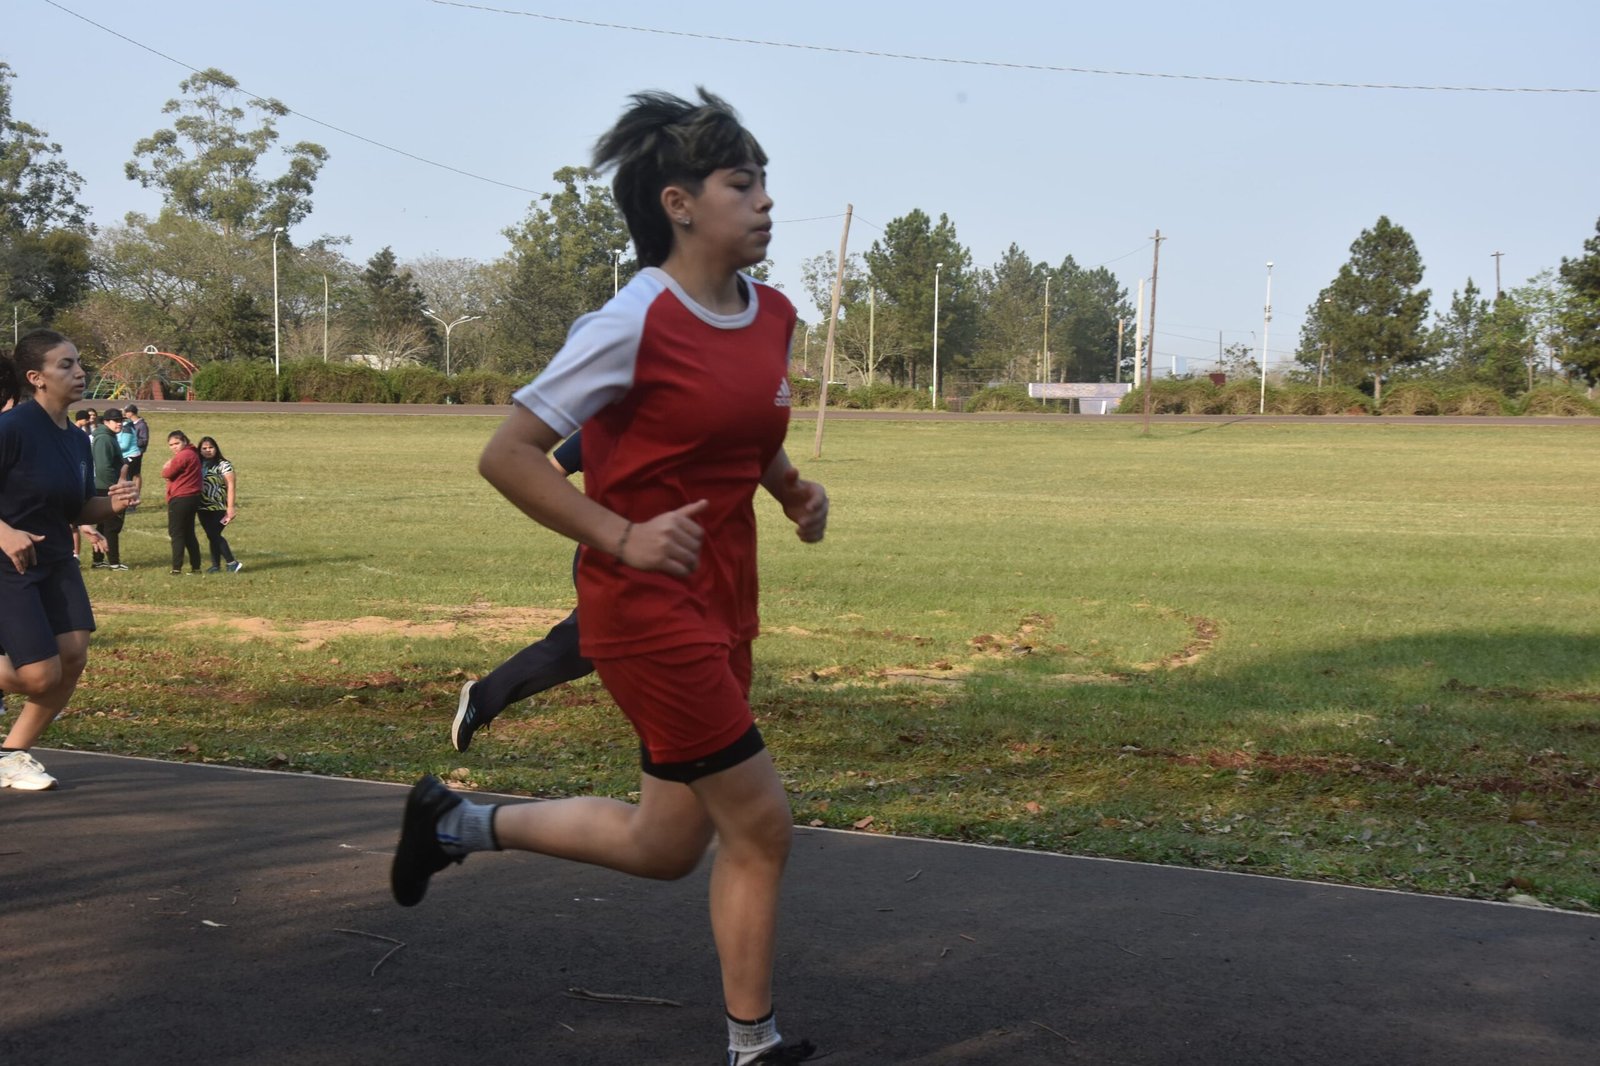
(680, 384)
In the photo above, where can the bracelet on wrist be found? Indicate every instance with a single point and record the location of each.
(622, 542)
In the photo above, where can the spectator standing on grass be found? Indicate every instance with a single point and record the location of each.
(132, 449)
(141, 441)
(218, 500)
(681, 386)
(46, 488)
(542, 665)
(109, 468)
(182, 472)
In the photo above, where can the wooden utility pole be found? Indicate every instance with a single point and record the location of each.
(1497, 256)
(1150, 341)
(833, 324)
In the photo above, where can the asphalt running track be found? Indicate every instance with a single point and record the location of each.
(158, 912)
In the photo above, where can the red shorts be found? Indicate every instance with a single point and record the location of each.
(685, 703)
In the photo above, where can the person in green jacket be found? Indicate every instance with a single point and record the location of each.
(109, 468)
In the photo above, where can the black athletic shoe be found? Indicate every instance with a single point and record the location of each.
(468, 720)
(782, 1055)
(418, 856)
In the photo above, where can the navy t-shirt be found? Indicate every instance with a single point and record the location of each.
(46, 474)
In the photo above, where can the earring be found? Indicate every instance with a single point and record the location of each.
(684, 222)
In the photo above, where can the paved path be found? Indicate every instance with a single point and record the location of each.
(157, 912)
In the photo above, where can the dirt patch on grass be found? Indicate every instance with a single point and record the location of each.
(1204, 633)
(1521, 693)
(477, 619)
(1547, 772)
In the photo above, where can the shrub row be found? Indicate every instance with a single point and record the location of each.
(315, 381)
(1198, 396)
(320, 382)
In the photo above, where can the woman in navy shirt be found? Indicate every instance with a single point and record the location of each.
(46, 491)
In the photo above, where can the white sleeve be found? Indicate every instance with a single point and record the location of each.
(595, 366)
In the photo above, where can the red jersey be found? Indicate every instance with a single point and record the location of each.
(676, 404)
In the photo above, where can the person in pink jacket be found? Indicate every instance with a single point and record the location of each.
(182, 472)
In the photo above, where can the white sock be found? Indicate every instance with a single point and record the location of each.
(747, 1040)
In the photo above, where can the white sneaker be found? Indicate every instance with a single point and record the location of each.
(22, 771)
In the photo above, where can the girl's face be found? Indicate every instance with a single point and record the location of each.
(208, 449)
(61, 379)
(730, 218)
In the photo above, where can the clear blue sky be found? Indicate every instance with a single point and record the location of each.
(1057, 162)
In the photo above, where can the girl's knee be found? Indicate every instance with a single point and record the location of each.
(40, 679)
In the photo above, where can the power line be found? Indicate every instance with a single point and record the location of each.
(300, 114)
(1047, 68)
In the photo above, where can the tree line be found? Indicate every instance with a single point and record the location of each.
(197, 278)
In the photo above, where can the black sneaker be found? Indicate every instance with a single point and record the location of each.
(468, 720)
(782, 1055)
(418, 856)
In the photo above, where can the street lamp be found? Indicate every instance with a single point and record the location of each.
(1044, 390)
(616, 270)
(1327, 344)
(1266, 323)
(937, 267)
(277, 352)
(448, 326)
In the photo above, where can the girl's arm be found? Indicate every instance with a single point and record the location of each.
(97, 509)
(17, 544)
(229, 479)
(805, 502)
(515, 462)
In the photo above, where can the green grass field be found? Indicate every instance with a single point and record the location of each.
(1361, 653)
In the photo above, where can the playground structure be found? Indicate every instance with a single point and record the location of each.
(149, 374)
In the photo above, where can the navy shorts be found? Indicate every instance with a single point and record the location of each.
(38, 606)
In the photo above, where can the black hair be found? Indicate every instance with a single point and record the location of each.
(663, 140)
(220, 457)
(180, 435)
(29, 354)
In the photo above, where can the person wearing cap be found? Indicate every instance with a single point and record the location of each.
(109, 468)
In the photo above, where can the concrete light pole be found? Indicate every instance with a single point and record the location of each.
(1266, 324)
(277, 351)
(448, 326)
(937, 267)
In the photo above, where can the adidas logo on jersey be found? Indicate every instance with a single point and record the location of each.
(782, 399)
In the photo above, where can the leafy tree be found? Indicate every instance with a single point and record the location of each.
(393, 329)
(207, 164)
(453, 289)
(314, 281)
(903, 264)
(44, 229)
(175, 283)
(560, 266)
(1543, 299)
(863, 340)
(1011, 327)
(1239, 363)
(1580, 319)
(1483, 344)
(1084, 308)
(1370, 320)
